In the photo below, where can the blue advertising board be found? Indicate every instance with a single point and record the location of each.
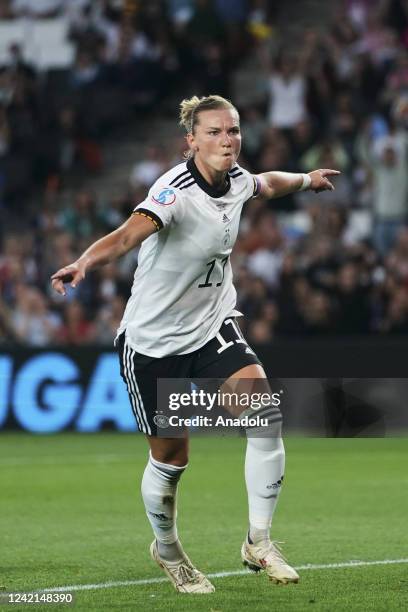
(49, 391)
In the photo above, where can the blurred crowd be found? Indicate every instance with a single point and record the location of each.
(304, 265)
(128, 56)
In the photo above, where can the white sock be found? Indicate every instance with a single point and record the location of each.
(159, 492)
(264, 469)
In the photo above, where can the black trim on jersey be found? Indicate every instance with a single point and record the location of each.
(257, 186)
(145, 212)
(188, 184)
(205, 186)
(235, 175)
(178, 176)
(183, 180)
(233, 169)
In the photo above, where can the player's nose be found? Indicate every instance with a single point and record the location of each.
(226, 141)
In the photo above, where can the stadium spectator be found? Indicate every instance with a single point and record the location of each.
(397, 261)
(265, 263)
(253, 293)
(302, 139)
(86, 69)
(7, 334)
(108, 320)
(33, 323)
(111, 285)
(396, 318)
(213, 66)
(253, 129)
(292, 296)
(205, 25)
(180, 11)
(318, 314)
(37, 8)
(288, 91)
(261, 331)
(5, 10)
(352, 305)
(145, 172)
(75, 329)
(357, 11)
(320, 262)
(4, 133)
(377, 40)
(396, 83)
(387, 161)
(83, 220)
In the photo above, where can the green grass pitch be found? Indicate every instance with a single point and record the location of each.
(71, 514)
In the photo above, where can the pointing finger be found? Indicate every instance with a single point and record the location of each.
(329, 172)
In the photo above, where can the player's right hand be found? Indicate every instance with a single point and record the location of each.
(73, 274)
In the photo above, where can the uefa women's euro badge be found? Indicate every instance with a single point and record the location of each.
(165, 197)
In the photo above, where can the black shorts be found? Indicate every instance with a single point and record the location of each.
(219, 359)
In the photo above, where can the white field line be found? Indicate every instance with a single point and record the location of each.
(121, 583)
(65, 460)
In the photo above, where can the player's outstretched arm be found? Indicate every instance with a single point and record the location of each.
(128, 236)
(278, 184)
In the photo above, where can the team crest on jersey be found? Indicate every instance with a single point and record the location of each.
(165, 197)
(227, 238)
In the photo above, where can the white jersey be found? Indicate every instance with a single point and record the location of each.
(182, 289)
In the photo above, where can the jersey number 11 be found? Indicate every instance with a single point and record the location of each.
(211, 265)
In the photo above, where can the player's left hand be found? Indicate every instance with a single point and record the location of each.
(320, 182)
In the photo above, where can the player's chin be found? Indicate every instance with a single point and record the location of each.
(227, 162)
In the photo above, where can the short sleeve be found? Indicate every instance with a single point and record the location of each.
(162, 205)
(252, 186)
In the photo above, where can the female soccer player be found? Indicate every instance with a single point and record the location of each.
(179, 322)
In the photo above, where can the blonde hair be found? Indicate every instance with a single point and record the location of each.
(190, 107)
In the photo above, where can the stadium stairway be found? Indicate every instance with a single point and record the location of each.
(121, 153)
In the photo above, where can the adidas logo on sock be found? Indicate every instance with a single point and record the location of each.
(225, 219)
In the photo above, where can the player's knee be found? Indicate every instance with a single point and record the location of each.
(179, 459)
(159, 474)
(267, 448)
(170, 452)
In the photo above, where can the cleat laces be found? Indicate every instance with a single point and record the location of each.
(184, 574)
(273, 552)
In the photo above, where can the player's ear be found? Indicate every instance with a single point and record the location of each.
(191, 141)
